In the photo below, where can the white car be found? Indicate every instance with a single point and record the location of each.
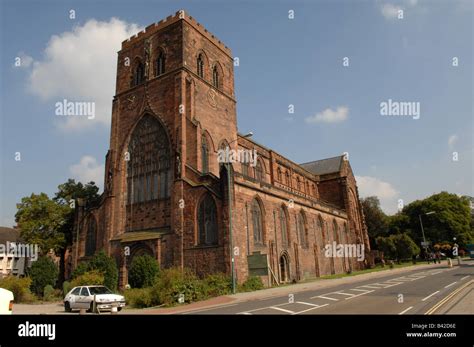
(6, 301)
(83, 297)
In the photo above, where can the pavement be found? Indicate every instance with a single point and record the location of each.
(411, 290)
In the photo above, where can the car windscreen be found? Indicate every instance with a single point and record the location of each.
(99, 290)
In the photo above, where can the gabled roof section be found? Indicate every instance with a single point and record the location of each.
(9, 234)
(324, 166)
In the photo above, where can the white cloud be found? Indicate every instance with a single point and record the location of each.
(80, 65)
(88, 169)
(329, 116)
(390, 11)
(372, 186)
(25, 60)
(452, 140)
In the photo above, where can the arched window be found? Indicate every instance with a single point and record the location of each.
(91, 238)
(200, 66)
(148, 167)
(323, 232)
(207, 221)
(204, 155)
(335, 230)
(279, 175)
(298, 183)
(301, 228)
(287, 178)
(215, 77)
(259, 171)
(138, 74)
(257, 222)
(245, 169)
(314, 190)
(160, 64)
(284, 227)
(307, 187)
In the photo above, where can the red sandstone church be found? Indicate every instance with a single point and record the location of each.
(167, 195)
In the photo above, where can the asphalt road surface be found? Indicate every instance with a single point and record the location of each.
(413, 292)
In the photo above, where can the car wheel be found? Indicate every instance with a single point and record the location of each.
(119, 309)
(67, 307)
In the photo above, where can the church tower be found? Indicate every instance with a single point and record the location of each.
(173, 109)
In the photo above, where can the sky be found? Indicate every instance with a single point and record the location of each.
(335, 63)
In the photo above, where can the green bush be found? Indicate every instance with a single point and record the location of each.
(217, 284)
(66, 287)
(93, 277)
(81, 269)
(42, 272)
(104, 264)
(48, 292)
(139, 297)
(143, 271)
(172, 283)
(251, 284)
(19, 286)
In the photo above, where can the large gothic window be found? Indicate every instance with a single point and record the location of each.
(200, 66)
(160, 64)
(207, 221)
(301, 228)
(148, 169)
(204, 155)
(257, 222)
(138, 74)
(91, 237)
(284, 227)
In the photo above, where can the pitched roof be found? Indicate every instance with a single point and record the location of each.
(324, 166)
(9, 234)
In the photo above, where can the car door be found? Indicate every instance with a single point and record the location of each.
(73, 297)
(84, 298)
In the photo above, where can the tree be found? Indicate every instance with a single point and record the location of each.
(66, 196)
(40, 220)
(375, 219)
(397, 246)
(143, 271)
(43, 272)
(104, 264)
(451, 219)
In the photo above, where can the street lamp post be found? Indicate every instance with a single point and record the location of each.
(422, 231)
(231, 241)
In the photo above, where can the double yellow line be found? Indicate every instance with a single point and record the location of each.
(447, 298)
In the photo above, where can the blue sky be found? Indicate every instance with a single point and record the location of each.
(283, 61)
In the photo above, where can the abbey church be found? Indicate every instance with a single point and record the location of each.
(166, 193)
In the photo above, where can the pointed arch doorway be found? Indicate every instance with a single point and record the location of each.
(284, 268)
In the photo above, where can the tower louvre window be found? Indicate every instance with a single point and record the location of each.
(160, 64)
(200, 66)
(215, 77)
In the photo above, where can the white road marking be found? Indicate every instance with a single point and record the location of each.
(437, 272)
(370, 291)
(309, 309)
(429, 296)
(449, 285)
(246, 313)
(282, 309)
(324, 297)
(309, 304)
(464, 277)
(408, 309)
(341, 293)
(369, 286)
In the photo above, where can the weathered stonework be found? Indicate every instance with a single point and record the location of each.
(192, 111)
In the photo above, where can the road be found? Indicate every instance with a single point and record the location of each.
(413, 292)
